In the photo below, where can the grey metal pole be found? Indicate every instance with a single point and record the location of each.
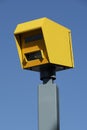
(48, 101)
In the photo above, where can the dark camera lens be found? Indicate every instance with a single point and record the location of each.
(33, 55)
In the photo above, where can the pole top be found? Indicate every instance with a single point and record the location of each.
(48, 73)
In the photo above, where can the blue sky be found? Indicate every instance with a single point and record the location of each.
(18, 88)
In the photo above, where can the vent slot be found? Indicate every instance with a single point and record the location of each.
(33, 38)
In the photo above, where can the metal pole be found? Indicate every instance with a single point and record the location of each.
(48, 102)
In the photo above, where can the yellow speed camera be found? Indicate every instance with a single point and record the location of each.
(42, 41)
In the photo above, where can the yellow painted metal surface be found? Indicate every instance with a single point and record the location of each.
(58, 43)
(44, 41)
(17, 40)
(27, 26)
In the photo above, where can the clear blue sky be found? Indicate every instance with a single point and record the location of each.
(18, 88)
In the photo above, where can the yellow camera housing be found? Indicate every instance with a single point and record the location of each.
(43, 41)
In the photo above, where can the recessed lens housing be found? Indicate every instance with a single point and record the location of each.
(33, 55)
